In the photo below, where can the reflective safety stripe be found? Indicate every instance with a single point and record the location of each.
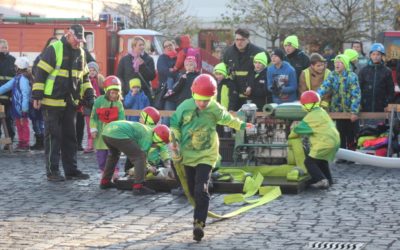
(307, 76)
(63, 73)
(54, 102)
(6, 78)
(57, 71)
(324, 104)
(84, 87)
(241, 73)
(45, 66)
(4, 97)
(49, 86)
(38, 86)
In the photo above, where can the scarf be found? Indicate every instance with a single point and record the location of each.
(171, 54)
(135, 61)
(95, 85)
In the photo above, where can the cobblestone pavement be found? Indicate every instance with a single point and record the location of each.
(362, 207)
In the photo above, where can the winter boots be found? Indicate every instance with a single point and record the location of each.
(39, 143)
(198, 232)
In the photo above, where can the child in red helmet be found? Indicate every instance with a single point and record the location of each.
(324, 139)
(134, 140)
(106, 108)
(194, 127)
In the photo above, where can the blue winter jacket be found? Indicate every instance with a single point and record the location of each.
(282, 83)
(137, 102)
(21, 92)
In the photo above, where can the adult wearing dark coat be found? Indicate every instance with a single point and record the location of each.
(239, 60)
(296, 57)
(137, 64)
(7, 72)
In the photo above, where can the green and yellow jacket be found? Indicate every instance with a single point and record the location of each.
(101, 103)
(135, 131)
(195, 131)
(324, 138)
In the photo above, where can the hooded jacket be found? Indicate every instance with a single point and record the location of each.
(377, 88)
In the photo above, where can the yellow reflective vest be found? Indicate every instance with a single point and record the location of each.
(53, 82)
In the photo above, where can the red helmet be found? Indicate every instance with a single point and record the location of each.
(150, 116)
(204, 85)
(162, 133)
(112, 82)
(309, 96)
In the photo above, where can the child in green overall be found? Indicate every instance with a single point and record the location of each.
(194, 126)
(324, 139)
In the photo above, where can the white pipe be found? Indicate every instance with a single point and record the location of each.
(367, 159)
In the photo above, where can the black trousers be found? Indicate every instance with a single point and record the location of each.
(198, 179)
(60, 140)
(80, 127)
(348, 131)
(318, 169)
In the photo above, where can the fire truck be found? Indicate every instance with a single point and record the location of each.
(106, 39)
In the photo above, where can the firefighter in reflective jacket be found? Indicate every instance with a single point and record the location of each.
(61, 83)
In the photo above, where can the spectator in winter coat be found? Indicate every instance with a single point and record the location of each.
(376, 82)
(329, 55)
(257, 90)
(21, 88)
(183, 43)
(296, 57)
(281, 79)
(343, 85)
(227, 94)
(135, 99)
(137, 64)
(165, 65)
(239, 60)
(362, 58)
(353, 57)
(312, 77)
(182, 89)
(7, 72)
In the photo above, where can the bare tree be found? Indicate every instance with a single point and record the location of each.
(347, 19)
(168, 16)
(268, 16)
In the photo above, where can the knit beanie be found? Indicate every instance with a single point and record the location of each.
(261, 58)
(221, 68)
(135, 82)
(351, 54)
(93, 65)
(345, 60)
(292, 40)
(279, 53)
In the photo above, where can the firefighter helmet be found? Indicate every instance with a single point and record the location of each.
(204, 86)
(309, 96)
(112, 82)
(161, 134)
(150, 116)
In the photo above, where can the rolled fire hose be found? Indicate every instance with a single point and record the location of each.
(367, 159)
(251, 186)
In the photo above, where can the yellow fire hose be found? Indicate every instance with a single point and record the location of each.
(250, 188)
